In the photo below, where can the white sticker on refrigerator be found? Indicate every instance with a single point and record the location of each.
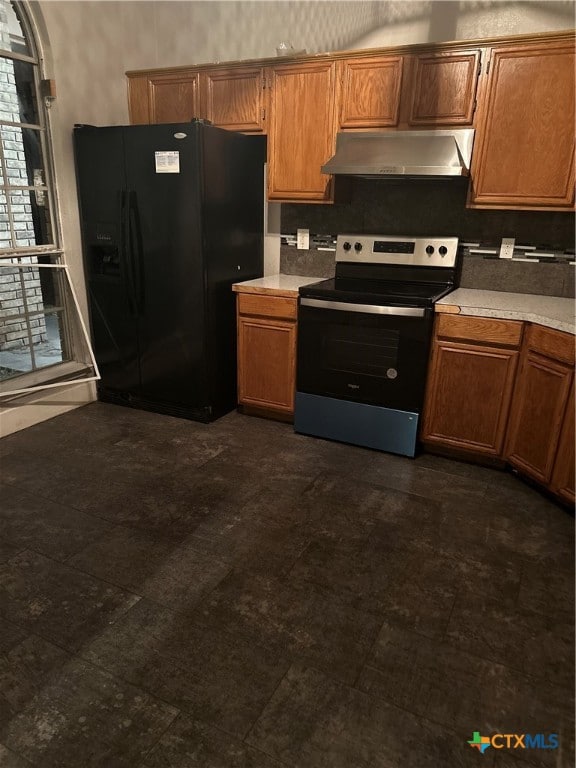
(167, 162)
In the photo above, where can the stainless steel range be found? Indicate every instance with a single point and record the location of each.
(364, 340)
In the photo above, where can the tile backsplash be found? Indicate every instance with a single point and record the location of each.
(438, 208)
(542, 278)
(306, 262)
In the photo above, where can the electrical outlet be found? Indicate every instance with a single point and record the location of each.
(303, 239)
(507, 247)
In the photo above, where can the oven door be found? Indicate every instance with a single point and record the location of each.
(364, 353)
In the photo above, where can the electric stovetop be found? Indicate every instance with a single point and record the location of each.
(376, 292)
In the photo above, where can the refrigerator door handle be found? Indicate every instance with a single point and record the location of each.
(136, 251)
(126, 252)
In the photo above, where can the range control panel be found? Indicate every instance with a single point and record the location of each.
(384, 249)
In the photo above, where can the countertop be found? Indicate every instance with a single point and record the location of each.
(551, 311)
(275, 285)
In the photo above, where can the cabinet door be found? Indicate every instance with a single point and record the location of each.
(370, 91)
(524, 153)
(444, 90)
(138, 100)
(537, 414)
(234, 98)
(266, 363)
(468, 396)
(301, 131)
(563, 473)
(173, 98)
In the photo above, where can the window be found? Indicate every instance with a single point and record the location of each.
(43, 341)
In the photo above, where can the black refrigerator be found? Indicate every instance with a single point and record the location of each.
(171, 215)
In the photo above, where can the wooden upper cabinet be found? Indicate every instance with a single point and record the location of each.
(138, 100)
(443, 88)
(519, 95)
(370, 91)
(234, 98)
(524, 148)
(174, 98)
(171, 97)
(301, 130)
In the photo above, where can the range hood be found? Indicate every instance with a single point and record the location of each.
(402, 153)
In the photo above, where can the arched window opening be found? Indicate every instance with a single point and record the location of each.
(43, 342)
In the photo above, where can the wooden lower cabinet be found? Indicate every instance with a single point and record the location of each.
(563, 475)
(481, 376)
(540, 403)
(491, 396)
(267, 353)
(470, 384)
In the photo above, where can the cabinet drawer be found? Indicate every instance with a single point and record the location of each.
(551, 343)
(261, 305)
(484, 330)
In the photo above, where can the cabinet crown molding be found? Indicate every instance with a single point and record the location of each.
(415, 49)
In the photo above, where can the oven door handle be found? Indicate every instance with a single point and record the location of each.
(367, 309)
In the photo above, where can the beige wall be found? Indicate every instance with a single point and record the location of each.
(415, 22)
(89, 45)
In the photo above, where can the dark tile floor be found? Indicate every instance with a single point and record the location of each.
(234, 595)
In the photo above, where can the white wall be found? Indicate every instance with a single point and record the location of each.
(88, 45)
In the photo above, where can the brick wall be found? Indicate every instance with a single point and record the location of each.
(14, 282)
